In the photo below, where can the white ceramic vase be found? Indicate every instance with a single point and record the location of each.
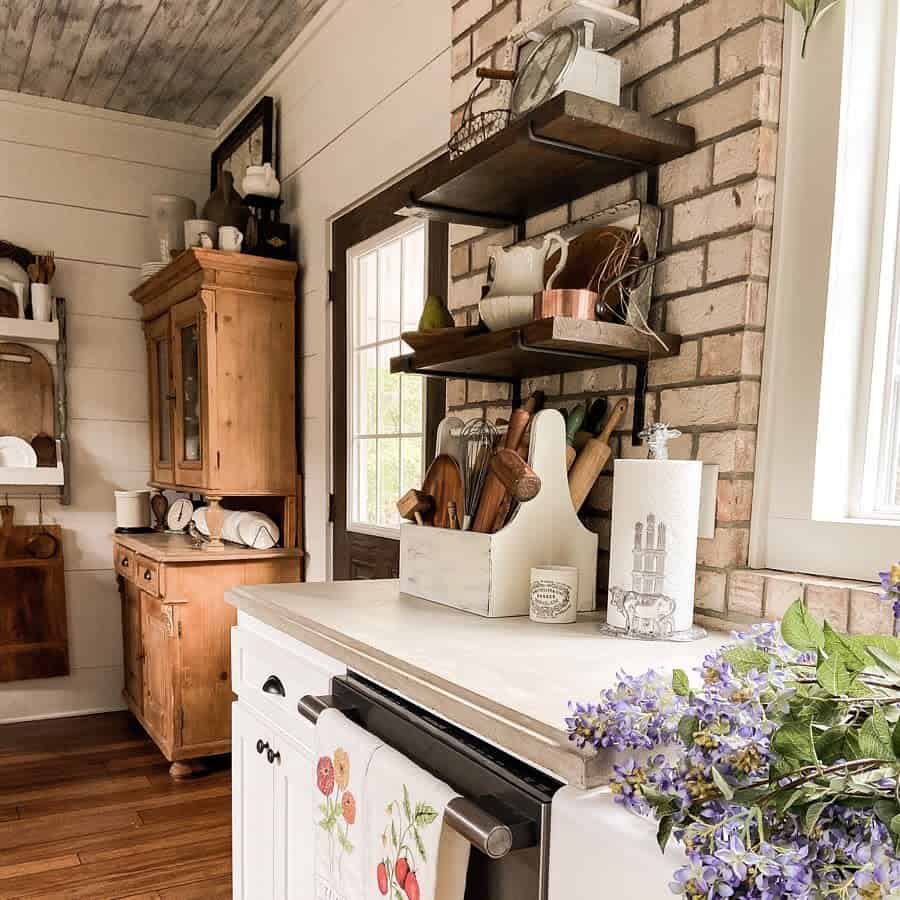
(41, 302)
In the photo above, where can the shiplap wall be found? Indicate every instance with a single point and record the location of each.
(363, 96)
(78, 181)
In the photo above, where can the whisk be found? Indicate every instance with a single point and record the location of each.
(477, 440)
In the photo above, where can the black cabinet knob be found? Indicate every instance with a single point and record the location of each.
(124, 563)
(273, 756)
(262, 746)
(148, 576)
(275, 686)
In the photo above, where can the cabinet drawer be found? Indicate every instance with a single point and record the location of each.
(271, 678)
(147, 576)
(124, 560)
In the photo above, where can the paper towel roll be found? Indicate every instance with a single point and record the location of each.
(653, 546)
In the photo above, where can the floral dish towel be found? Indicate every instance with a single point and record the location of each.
(411, 854)
(343, 755)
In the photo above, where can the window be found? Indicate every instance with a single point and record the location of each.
(386, 276)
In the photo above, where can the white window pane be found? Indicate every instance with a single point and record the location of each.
(365, 503)
(412, 394)
(366, 375)
(413, 278)
(389, 280)
(411, 471)
(388, 391)
(388, 481)
(367, 301)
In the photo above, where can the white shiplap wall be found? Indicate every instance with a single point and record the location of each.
(362, 96)
(77, 181)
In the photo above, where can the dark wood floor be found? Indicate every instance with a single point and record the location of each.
(88, 810)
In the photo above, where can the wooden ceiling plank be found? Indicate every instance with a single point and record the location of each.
(62, 30)
(168, 38)
(18, 19)
(278, 33)
(118, 29)
(231, 28)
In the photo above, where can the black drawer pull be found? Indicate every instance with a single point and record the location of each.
(274, 685)
(262, 746)
(148, 576)
(125, 563)
(273, 756)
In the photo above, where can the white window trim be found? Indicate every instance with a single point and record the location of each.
(383, 237)
(807, 454)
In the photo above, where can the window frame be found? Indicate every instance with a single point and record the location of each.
(353, 254)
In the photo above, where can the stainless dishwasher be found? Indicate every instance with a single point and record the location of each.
(504, 807)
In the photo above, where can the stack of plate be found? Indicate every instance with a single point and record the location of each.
(16, 453)
(252, 529)
(149, 269)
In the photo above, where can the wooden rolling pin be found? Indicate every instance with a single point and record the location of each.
(493, 492)
(593, 458)
(573, 423)
(519, 479)
(415, 506)
(593, 423)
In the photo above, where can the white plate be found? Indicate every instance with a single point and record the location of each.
(258, 531)
(17, 454)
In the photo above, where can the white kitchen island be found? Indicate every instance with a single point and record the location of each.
(507, 681)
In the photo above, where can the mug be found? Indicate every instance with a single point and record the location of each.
(230, 239)
(554, 595)
(41, 302)
(193, 228)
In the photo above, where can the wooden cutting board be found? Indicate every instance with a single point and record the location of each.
(444, 482)
(26, 393)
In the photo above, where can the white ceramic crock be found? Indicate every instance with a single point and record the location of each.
(132, 509)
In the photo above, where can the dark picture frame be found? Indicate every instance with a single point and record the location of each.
(256, 130)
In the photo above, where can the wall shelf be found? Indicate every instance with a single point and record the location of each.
(27, 331)
(544, 347)
(564, 148)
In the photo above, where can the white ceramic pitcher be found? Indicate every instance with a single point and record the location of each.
(520, 270)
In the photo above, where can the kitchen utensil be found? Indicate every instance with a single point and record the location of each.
(534, 404)
(159, 506)
(443, 482)
(477, 442)
(41, 302)
(478, 127)
(26, 392)
(261, 181)
(165, 224)
(448, 438)
(193, 228)
(16, 453)
(554, 595)
(514, 271)
(230, 239)
(453, 515)
(516, 475)
(43, 544)
(132, 509)
(502, 312)
(493, 491)
(561, 63)
(416, 506)
(593, 423)
(439, 337)
(20, 290)
(590, 461)
(573, 304)
(9, 304)
(44, 447)
(573, 423)
(180, 513)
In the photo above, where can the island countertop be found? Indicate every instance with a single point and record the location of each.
(507, 680)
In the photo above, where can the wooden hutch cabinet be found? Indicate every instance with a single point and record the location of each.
(220, 341)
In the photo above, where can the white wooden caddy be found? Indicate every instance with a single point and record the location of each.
(489, 574)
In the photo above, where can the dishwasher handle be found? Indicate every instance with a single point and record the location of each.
(482, 830)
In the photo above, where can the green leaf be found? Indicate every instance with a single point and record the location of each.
(784, 800)
(885, 810)
(344, 841)
(895, 825)
(885, 660)
(661, 803)
(425, 814)
(393, 834)
(794, 740)
(745, 659)
(749, 795)
(397, 894)
(406, 805)
(875, 738)
(724, 787)
(895, 740)
(800, 630)
(830, 744)
(833, 676)
(851, 654)
(680, 683)
(688, 726)
(760, 822)
(664, 832)
(811, 815)
(420, 846)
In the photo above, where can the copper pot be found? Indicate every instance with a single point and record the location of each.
(568, 302)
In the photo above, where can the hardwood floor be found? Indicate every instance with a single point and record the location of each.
(88, 810)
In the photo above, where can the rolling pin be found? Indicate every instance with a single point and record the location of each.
(590, 462)
(414, 506)
(493, 492)
(593, 423)
(573, 424)
(519, 479)
(535, 403)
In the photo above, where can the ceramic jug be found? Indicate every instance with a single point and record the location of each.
(520, 270)
(261, 181)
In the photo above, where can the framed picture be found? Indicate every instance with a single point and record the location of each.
(251, 143)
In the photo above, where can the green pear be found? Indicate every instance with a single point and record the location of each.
(435, 315)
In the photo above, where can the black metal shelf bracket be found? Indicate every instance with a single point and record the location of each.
(579, 150)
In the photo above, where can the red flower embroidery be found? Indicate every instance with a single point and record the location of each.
(348, 808)
(325, 776)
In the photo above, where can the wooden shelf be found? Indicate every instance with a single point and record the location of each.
(27, 331)
(564, 148)
(544, 347)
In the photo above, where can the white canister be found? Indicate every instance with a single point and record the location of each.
(193, 228)
(165, 225)
(41, 302)
(132, 509)
(554, 595)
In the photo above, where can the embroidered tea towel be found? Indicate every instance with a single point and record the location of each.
(343, 754)
(411, 854)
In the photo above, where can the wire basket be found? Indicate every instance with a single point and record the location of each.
(478, 127)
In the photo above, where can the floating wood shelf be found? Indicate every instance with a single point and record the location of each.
(544, 347)
(564, 148)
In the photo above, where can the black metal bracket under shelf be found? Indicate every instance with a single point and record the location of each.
(640, 383)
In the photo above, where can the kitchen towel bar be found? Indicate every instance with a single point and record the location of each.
(482, 830)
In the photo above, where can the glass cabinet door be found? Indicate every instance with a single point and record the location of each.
(189, 347)
(161, 399)
(189, 352)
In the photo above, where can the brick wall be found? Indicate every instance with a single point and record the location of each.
(715, 65)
